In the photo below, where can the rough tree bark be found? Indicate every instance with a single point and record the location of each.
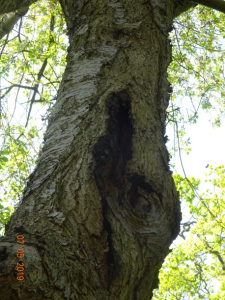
(101, 210)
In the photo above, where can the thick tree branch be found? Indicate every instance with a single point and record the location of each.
(7, 6)
(183, 5)
(10, 19)
(215, 4)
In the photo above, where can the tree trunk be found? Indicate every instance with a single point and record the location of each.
(101, 210)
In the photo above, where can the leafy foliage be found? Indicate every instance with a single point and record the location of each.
(195, 268)
(32, 62)
(197, 70)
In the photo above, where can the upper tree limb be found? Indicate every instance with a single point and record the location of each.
(7, 6)
(183, 5)
(10, 19)
(215, 4)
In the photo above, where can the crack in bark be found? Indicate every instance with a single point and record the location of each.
(111, 155)
(139, 181)
(3, 253)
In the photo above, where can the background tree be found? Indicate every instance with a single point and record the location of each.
(100, 210)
